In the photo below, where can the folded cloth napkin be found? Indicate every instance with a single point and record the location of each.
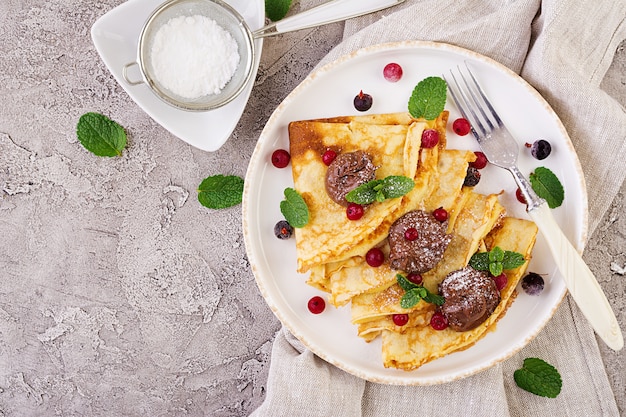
(563, 48)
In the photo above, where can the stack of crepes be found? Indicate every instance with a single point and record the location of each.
(332, 248)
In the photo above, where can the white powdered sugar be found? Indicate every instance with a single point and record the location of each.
(193, 56)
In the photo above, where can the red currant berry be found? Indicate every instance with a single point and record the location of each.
(415, 278)
(430, 138)
(400, 319)
(440, 214)
(316, 304)
(329, 156)
(438, 321)
(280, 158)
(375, 257)
(411, 234)
(392, 72)
(461, 126)
(520, 197)
(501, 281)
(354, 211)
(480, 162)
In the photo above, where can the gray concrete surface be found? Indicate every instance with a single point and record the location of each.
(119, 293)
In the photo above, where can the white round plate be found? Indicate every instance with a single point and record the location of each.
(116, 35)
(329, 92)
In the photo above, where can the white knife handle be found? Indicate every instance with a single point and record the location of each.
(332, 11)
(579, 279)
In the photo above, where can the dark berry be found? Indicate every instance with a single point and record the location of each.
(316, 304)
(375, 257)
(283, 230)
(411, 234)
(329, 156)
(400, 319)
(540, 149)
(415, 278)
(440, 214)
(363, 101)
(472, 178)
(532, 283)
(280, 158)
(461, 126)
(520, 196)
(354, 211)
(430, 138)
(438, 321)
(501, 281)
(480, 162)
(392, 72)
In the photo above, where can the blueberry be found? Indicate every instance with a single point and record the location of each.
(472, 178)
(283, 230)
(532, 283)
(541, 149)
(363, 101)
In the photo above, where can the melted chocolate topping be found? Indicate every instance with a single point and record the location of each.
(471, 297)
(346, 172)
(424, 252)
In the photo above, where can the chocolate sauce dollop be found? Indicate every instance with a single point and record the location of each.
(346, 172)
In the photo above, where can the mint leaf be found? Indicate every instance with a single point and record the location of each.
(428, 98)
(496, 260)
(512, 260)
(294, 208)
(547, 186)
(414, 293)
(393, 186)
(538, 377)
(276, 9)
(100, 135)
(480, 261)
(220, 191)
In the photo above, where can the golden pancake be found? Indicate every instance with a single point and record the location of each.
(329, 235)
(415, 346)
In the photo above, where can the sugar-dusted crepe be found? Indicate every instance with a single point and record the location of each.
(413, 346)
(393, 142)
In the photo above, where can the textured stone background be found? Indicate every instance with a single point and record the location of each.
(119, 293)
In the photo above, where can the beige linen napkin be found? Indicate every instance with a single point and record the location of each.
(563, 48)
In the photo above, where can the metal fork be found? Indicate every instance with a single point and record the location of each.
(502, 149)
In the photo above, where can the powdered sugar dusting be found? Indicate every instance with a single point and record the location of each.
(193, 56)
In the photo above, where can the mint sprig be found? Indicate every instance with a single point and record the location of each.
(220, 191)
(428, 98)
(496, 260)
(294, 208)
(547, 186)
(276, 9)
(393, 186)
(414, 293)
(538, 377)
(100, 135)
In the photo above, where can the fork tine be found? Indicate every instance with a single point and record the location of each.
(463, 105)
(483, 96)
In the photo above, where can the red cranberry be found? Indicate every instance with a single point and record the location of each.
(430, 138)
(354, 211)
(480, 162)
(461, 126)
(392, 72)
(329, 156)
(415, 278)
(440, 214)
(400, 319)
(501, 281)
(520, 197)
(316, 305)
(411, 234)
(280, 158)
(438, 321)
(375, 257)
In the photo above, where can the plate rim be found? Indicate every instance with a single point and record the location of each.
(256, 159)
